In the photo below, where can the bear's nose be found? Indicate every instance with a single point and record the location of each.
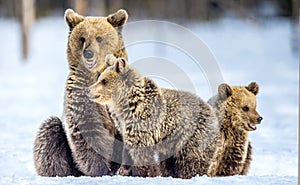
(88, 54)
(259, 119)
(87, 91)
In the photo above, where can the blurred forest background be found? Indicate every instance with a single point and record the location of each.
(27, 11)
(169, 9)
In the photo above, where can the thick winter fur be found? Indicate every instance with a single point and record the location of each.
(156, 123)
(236, 111)
(88, 127)
(51, 145)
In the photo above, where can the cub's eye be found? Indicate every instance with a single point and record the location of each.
(104, 81)
(99, 39)
(246, 108)
(82, 40)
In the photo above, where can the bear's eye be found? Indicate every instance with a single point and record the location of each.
(82, 40)
(245, 108)
(99, 39)
(104, 81)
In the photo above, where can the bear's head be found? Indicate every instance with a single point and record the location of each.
(92, 38)
(237, 106)
(109, 82)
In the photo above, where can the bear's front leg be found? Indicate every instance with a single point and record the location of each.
(125, 168)
(144, 162)
(248, 160)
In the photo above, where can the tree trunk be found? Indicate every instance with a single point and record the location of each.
(81, 7)
(27, 19)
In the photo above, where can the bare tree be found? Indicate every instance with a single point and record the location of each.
(81, 6)
(27, 19)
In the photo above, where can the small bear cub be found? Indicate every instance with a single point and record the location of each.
(156, 123)
(235, 107)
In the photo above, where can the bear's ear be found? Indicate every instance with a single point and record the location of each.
(151, 86)
(110, 60)
(253, 87)
(118, 19)
(120, 65)
(72, 18)
(224, 91)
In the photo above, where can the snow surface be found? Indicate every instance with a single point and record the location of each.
(246, 51)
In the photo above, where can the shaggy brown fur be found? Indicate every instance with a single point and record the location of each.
(89, 129)
(157, 122)
(51, 142)
(236, 111)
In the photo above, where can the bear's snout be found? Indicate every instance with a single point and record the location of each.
(88, 54)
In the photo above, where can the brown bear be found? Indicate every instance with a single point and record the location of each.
(85, 144)
(235, 108)
(157, 123)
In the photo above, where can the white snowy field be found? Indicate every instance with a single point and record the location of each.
(245, 51)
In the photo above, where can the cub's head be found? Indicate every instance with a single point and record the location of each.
(238, 104)
(109, 82)
(92, 38)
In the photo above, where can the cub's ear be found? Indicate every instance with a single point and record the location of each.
(253, 87)
(121, 64)
(110, 60)
(118, 19)
(151, 86)
(72, 18)
(224, 91)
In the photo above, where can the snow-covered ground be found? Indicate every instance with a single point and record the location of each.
(246, 51)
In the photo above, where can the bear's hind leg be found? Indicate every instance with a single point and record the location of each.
(52, 154)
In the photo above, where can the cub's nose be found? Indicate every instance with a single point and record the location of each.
(259, 119)
(88, 54)
(87, 91)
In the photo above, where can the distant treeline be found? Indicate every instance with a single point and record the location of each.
(162, 9)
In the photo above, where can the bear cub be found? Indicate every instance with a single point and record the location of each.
(158, 125)
(235, 108)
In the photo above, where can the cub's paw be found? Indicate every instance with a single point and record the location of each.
(110, 60)
(124, 171)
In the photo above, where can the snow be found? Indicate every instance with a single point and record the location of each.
(245, 51)
(234, 180)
